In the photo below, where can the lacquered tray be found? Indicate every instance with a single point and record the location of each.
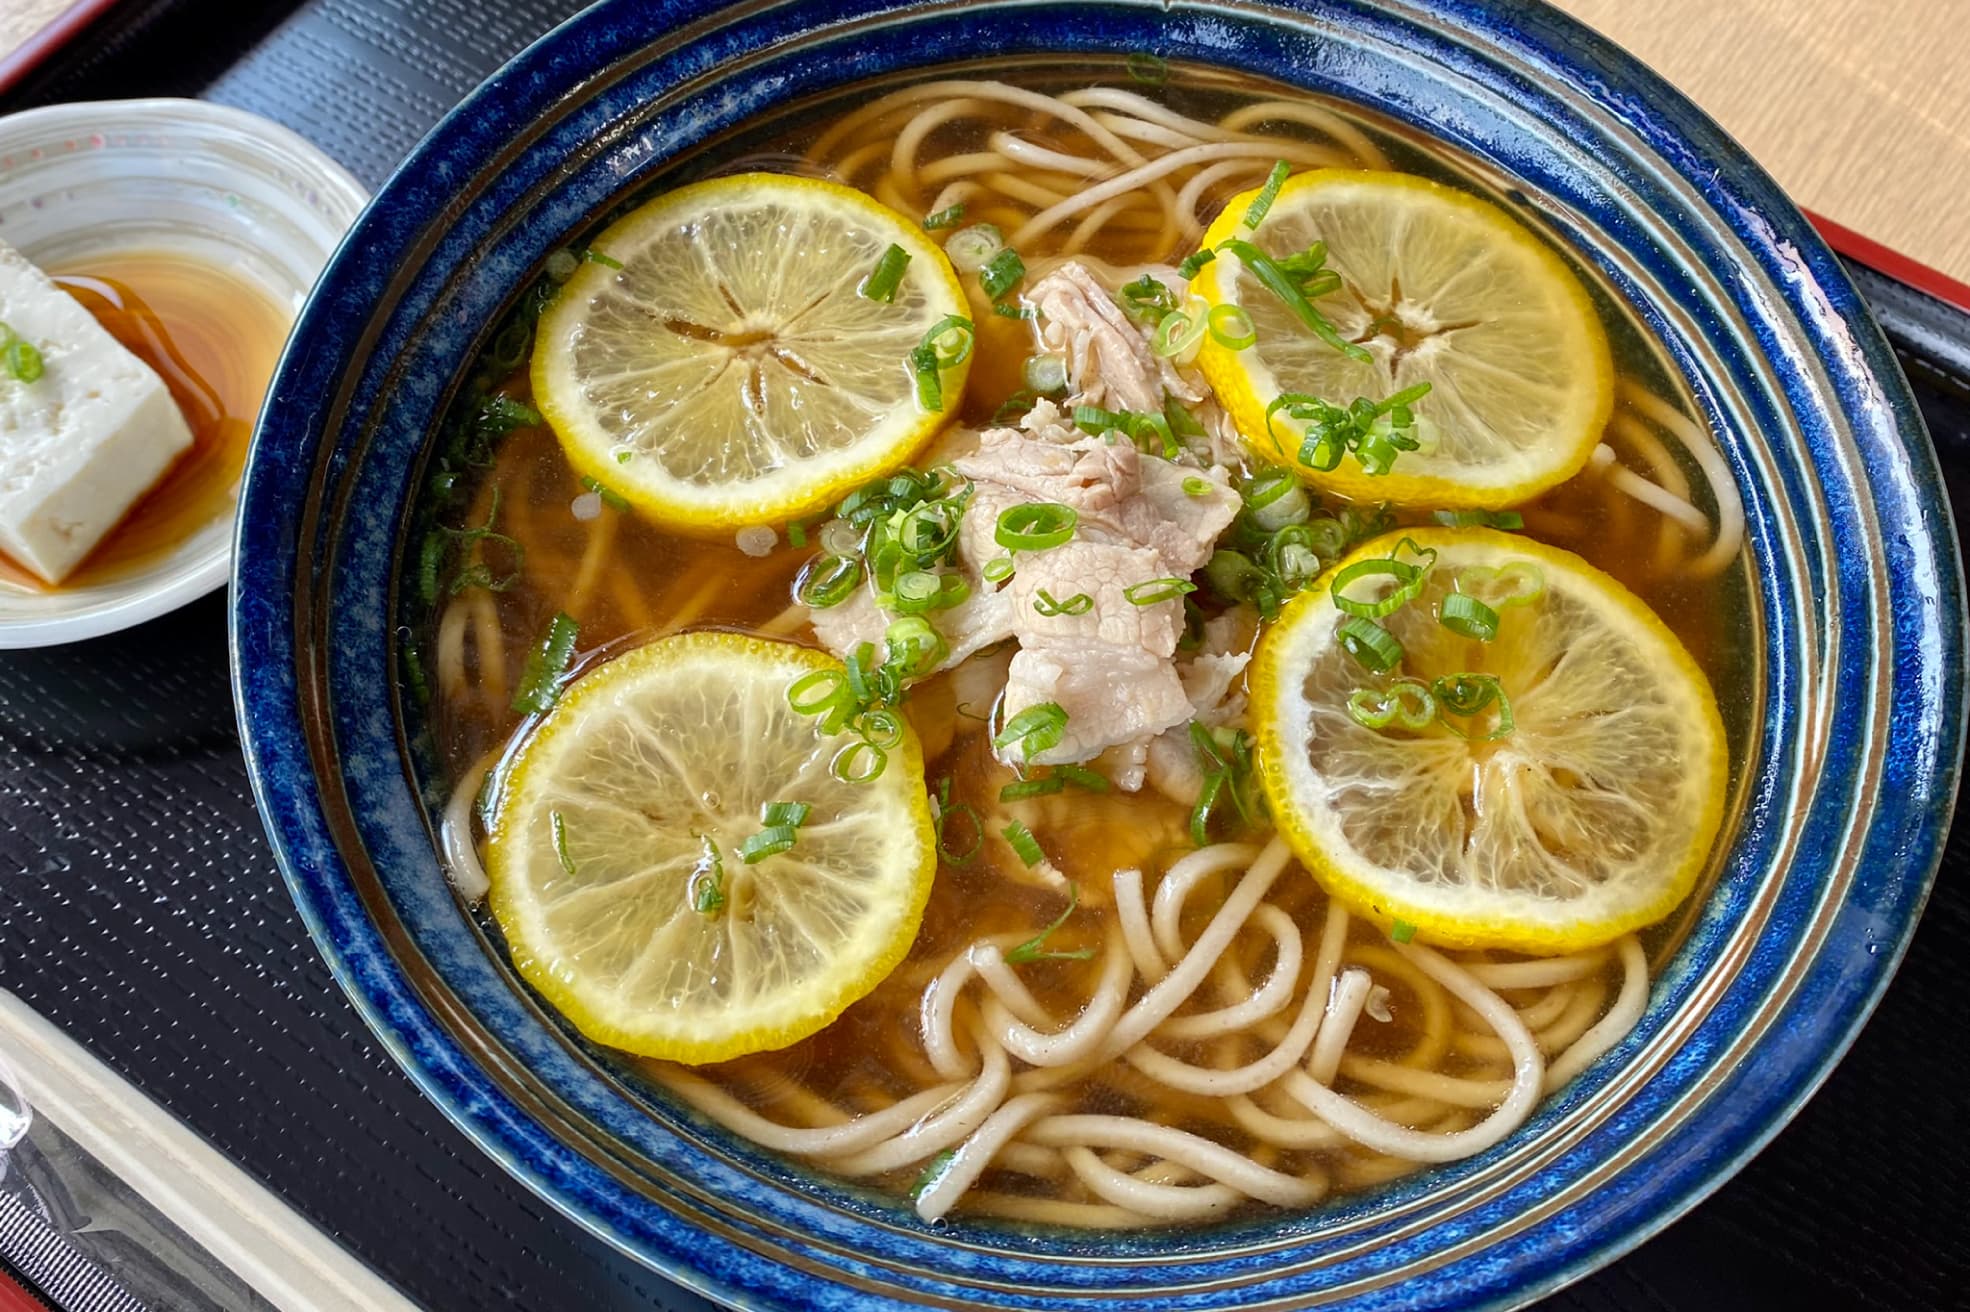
(141, 911)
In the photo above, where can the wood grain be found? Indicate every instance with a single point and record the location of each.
(1860, 108)
(21, 19)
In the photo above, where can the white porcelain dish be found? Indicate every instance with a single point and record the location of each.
(207, 181)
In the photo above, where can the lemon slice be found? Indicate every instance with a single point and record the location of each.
(729, 372)
(1593, 817)
(1437, 287)
(615, 859)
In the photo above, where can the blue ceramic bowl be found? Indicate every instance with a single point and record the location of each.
(1855, 731)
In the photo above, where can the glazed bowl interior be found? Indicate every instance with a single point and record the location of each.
(1847, 742)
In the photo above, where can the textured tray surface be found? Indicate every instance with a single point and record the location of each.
(140, 908)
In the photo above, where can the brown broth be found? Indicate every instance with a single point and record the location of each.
(214, 338)
(625, 580)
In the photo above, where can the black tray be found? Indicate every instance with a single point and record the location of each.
(141, 911)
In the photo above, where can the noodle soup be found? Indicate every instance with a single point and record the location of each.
(1147, 965)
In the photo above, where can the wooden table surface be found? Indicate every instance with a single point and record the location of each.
(21, 19)
(1861, 108)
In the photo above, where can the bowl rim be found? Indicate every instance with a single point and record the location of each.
(170, 579)
(1816, 290)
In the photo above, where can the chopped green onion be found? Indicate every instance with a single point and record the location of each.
(1021, 789)
(1293, 556)
(1282, 285)
(998, 569)
(1016, 405)
(1226, 775)
(1510, 520)
(560, 828)
(420, 683)
(1082, 777)
(1001, 273)
(970, 249)
(1181, 330)
(1196, 487)
(1007, 310)
(914, 592)
(546, 665)
(1232, 575)
(1408, 583)
(1152, 591)
(1262, 203)
(1200, 812)
(1231, 327)
(1276, 498)
(1150, 70)
(1078, 604)
(770, 841)
(933, 1172)
(796, 534)
(950, 339)
(1023, 843)
(431, 556)
(1467, 617)
(1402, 931)
(1094, 419)
(1469, 695)
(1045, 374)
(945, 814)
(886, 277)
(594, 256)
(1033, 730)
(1194, 262)
(817, 693)
(930, 388)
(480, 575)
(945, 218)
(1517, 583)
(624, 456)
(1182, 422)
(22, 358)
(881, 727)
(499, 415)
(1036, 526)
(1406, 702)
(1034, 948)
(611, 498)
(1058, 779)
(954, 590)
(858, 669)
(708, 879)
(828, 581)
(1368, 429)
(1369, 643)
(1138, 424)
(561, 266)
(915, 648)
(785, 813)
(1425, 556)
(1148, 299)
(858, 763)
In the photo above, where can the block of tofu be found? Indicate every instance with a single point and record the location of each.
(80, 444)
